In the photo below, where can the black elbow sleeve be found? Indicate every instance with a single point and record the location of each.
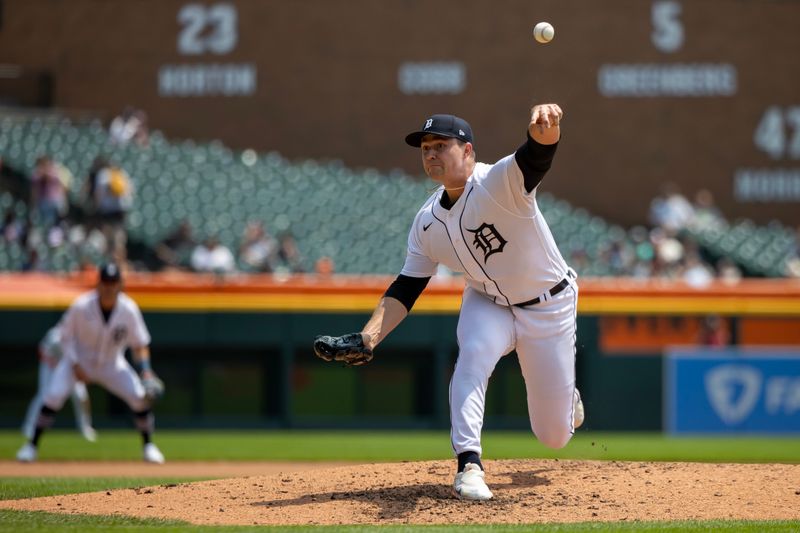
(406, 289)
(534, 161)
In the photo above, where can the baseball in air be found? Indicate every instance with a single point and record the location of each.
(544, 32)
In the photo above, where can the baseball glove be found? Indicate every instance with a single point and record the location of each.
(153, 388)
(348, 348)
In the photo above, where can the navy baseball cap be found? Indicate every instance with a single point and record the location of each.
(444, 126)
(110, 273)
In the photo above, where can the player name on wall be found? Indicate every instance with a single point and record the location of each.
(207, 80)
(652, 80)
(207, 30)
(703, 94)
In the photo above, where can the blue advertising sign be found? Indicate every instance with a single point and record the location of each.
(731, 391)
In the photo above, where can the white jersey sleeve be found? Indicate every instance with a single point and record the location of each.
(68, 329)
(418, 263)
(140, 336)
(506, 185)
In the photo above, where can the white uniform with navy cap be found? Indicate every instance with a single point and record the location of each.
(98, 347)
(520, 294)
(94, 338)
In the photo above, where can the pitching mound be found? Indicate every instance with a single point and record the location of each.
(526, 491)
(179, 469)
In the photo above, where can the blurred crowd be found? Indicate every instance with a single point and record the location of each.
(259, 252)
(665, 249)
(90, 225)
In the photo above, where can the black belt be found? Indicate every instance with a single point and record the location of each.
(560, 286)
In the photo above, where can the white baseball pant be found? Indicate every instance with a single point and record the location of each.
(118, 377)
(79, 395)
(544, 338)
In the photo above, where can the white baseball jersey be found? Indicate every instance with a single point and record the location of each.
(494, 234)
(91, 341)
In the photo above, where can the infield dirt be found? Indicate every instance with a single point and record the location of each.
(526, 491)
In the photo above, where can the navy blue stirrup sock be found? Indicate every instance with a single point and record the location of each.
(468, 457)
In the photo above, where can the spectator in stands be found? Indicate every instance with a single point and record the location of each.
(705, 213)
(12, 229)
(728, 272)
(643, 251)
(668, 254)
(33, 262)
(130, 125)
(713, 332)
(792, 267)
(89, 187)
(695, 272)
(14, 181)
(211, 256)
(259, 251)
(324, 266)
(618, 257)
(50, 183)
(671, 210)
(289, 252)
(174, 250)
(142, 137)
(111, 201)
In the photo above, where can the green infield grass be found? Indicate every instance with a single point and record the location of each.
(361, 446)
(375, 446)
(15, 488)
(49, 522)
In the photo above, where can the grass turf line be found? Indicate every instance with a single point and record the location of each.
(376, 446)
(15, 488)
(23, 521)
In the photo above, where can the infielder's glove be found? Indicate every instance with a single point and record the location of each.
(153, 388)
(348, 348)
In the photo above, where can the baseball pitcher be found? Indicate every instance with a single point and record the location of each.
(483, 221)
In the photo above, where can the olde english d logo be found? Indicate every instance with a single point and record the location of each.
(119, 333)
(488, 240)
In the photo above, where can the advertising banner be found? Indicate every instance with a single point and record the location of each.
(732, 391)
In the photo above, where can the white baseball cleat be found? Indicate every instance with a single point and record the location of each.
(27, 454)
(89, 433)
(469, 484)
(152, 454)
(579, 415)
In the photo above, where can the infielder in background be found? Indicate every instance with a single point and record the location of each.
(95, 331)
(50, 353)
(520, 294)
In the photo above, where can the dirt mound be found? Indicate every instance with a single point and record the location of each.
(179, 469)
(526, 491)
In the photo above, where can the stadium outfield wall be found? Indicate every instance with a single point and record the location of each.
(652, 91)
(235, 352)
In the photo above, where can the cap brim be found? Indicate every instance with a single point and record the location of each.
(415, 139)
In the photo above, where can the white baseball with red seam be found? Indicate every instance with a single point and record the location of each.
(544, 32)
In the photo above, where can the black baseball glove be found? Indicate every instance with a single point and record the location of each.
(348, 348)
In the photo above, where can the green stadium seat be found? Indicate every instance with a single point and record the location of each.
(210, 186)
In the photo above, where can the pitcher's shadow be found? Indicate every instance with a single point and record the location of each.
(399, 502)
